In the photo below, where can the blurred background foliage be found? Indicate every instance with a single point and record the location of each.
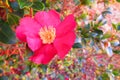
(94, 56)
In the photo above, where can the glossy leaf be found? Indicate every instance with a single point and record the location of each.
(114, 25)
(116, 72)
(107, 35)
(77, 40)
(1, 62)
(77, 45)
(6, 34)
(14, 5)
(104, 21)
(109, 51)
(87, 26)
(83, 16)
(86, 2)
(26, 69)
(3, 78)
(100, 18)
(92, 43)
(61, 77)
(44, 68)
(118, 27)
(115, 42)
(38, 6)
(1, 71)
(111, 75)
(77, 2)
(105, 76)
(93, 34)
(24, 3)
(83, 40)
(116, 51)
(118, 0)
(100, 32)
(106, 12)
(12, 19)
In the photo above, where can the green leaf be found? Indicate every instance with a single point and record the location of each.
(14, 5)
(86, 35)
(110, 66)
(92, 43)
(118, 27)
(83, 16)
(114, 26)
(107, 35)
(111, 75)
(83, 41)
(1, 62)
(118, 0)
(3, 78)
(96, 33)
(26, 69)
(38, 6)
(93, 34)
(87, 27)
(116, 51)
(115, 43)
(6, 34)
(80, 59)
(61, 77)
(97, 25)
(67, 63)
(116, 72)
(99, 32)
(13, 19)
(24, 3)
(106, 12)
(109, 51)
(86, 2)
(77, 2)
(105, 76)
(44, 68)
(1, 71)
(77, 45)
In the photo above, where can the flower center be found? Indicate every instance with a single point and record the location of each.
(47, 34)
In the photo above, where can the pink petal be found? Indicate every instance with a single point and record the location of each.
(30, 25)
(34, 42)
(27, 26)
(50, 18)
(44, 55)
(64, 44)
(20, 34)
(67, 25)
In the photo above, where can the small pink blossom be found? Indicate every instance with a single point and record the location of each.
(47, 35)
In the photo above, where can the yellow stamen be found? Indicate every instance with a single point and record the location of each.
(47, 34)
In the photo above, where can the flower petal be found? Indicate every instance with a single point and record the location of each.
(64, 44)
(67, 25)
(27, 26)
(34, 42)
(20, 33)
(30, 25)
(50, 18)
(44, 55)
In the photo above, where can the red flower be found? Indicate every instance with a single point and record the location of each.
(47, 35)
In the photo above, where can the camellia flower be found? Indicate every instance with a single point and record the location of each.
(47, 35)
